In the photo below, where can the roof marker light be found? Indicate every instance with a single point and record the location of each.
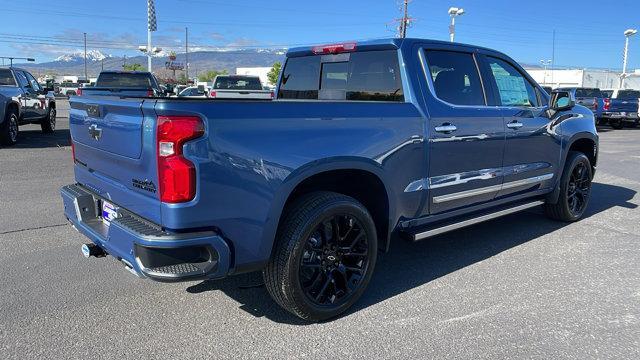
(334, 48)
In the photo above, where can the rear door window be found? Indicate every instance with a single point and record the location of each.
(455, 77)
(237, 83)
(6, 78)
(513, 87)
(359, 76)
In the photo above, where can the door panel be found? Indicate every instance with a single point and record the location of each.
(532, 148)
(466, 137)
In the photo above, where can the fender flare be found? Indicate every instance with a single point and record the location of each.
(553, 197)
(308, 170)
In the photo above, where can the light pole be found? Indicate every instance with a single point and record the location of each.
(152, 25)
(149, 54)
(545, 64)
(453, 13)
(11, 58)
(627, 34)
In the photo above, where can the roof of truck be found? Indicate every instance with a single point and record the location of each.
(385, 44)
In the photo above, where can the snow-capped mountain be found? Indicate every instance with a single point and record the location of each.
(92, 55)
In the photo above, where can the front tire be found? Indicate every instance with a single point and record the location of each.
(324, 256)
(48, 123)
(575, 189)
(9, 129)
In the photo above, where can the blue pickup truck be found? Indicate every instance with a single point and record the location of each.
(365, 141)
(621, 108)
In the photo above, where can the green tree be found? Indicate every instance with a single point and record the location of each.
(209, 75)
(133, 67)
(274, 73)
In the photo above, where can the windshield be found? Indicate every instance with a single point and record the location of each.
(588, 93)
(6, 78)
(628, 94)
(124, 80)
(237, 83)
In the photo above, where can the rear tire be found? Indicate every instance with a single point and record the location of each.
(324, 256)
(9, 129)
(48, 123)
(617, 124)
(575, 189)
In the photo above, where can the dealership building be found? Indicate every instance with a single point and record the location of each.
(603, 79)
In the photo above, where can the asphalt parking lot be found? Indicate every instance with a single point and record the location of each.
(521, 286)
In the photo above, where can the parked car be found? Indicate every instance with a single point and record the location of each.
(69, 89)
(239, 87)
(591, 98)
(360, 145)
(621, 109)
(23, 101)
(125, 83)
(193, 92)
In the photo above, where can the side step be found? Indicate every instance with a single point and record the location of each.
(459, 223)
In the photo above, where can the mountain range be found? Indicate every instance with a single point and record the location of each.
(199, 61)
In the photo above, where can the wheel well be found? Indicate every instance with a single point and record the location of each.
(361, 185)
(587, 147)
(13, 106)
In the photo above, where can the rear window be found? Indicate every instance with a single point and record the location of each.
(6, 78)
(607, 93)
(628, 94)
(124, 80)
(360, 76)
(237, 83)
(596, 93)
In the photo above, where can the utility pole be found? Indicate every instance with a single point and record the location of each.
(86, 76)
(405, 21)
(186, 52)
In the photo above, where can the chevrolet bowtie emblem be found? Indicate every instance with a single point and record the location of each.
(95, 132)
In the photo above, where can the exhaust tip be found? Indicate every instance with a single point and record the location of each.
(89, 250)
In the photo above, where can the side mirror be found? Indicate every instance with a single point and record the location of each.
(562, 100)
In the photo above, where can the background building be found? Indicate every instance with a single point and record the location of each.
(603, 79)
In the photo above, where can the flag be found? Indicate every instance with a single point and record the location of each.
(151, 10)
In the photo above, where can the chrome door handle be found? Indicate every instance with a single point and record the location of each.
(515, 125)
(446, 128)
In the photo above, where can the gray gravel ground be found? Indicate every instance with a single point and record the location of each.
(518, 287)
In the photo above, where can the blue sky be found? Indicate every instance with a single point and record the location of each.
(589, 33)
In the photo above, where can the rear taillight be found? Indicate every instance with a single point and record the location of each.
(176, 174)
(73, 151)
(213, 94)
(607, 105)
(595, 103)
(150, 93)
(273, 95)
(79, 92)
(334, 48)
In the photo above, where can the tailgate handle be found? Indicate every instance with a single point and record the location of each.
(93, 111)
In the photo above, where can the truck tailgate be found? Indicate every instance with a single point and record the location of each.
(115, 154)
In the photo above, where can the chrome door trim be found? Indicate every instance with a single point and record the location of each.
(493, 188)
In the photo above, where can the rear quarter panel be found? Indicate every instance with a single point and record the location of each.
(255, 153)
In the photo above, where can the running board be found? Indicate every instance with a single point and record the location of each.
(472, 220)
